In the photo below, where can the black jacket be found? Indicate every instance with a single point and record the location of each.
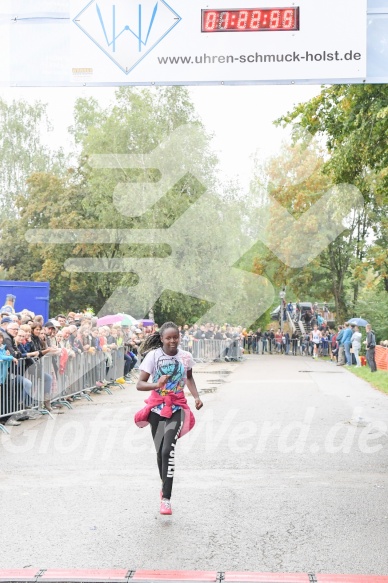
(371, 340)
(10, 346)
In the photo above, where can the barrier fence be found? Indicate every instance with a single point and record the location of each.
(56, 378)
(381, 357)
(213, 350)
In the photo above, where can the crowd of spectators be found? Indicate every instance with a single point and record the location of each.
(341, 345)
(25, 338)
(310, 314)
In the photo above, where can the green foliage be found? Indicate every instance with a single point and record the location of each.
(373, 307)
(137, 122)
(263, 321)
(21, 150)
(179, 308)
(353, 120)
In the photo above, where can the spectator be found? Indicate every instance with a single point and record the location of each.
(209, 333)
(10, 330)
(78, 345)
(278, 341)
(370, 348)
(257, 339)
(51, 332)
(38, 346)
(39, 320)
(303, 340)
(6, 387)
(307, 317)
(17, 382)
(287, 343)
(294, 341)
(346, 340)
(8, 307)
(61, 319)
(341, 352)
(325, 344)
(73, 334)
(26, 359)
(356, 345)
(264, 340)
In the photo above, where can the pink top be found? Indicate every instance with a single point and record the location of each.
(141, 417)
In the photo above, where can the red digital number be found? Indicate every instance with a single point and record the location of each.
(255, 19)
(242, 19)
(224, 20)
(211, 20)
(274, 19)
(289, 19)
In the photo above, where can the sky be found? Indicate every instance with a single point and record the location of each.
(240, 117)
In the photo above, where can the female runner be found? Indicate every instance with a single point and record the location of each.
(167, 410)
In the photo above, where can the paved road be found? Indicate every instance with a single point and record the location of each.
(279, 474)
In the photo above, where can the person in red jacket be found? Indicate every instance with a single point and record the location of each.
(167, 410)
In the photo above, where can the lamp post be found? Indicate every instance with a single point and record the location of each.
(282, 295)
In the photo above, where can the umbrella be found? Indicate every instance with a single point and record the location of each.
(127, 320)
(147, 323)
(108, 320)
(358, 322)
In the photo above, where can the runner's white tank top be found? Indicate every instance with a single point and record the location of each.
(316, 337)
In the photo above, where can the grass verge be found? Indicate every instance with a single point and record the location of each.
(378, 379)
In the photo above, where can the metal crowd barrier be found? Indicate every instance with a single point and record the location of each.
(213, 350)
(20, 388)
(31, 382)
(116, 370)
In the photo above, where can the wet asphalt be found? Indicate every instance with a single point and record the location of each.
(285, 471)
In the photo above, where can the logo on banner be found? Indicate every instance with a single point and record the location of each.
(127, 31)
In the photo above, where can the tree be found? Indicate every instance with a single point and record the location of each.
(353, 122)
(87, 200)
(295, 179)
(21, 149)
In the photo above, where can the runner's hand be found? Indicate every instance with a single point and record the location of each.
(162, 381)
(198, 403)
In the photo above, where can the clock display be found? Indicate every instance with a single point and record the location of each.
(250, 20)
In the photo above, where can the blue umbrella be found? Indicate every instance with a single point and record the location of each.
(358, 322)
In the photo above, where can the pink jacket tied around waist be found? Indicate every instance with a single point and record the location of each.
(141, 417)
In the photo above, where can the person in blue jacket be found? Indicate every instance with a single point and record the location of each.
(340, 356)
(5, 361)
(347, 342)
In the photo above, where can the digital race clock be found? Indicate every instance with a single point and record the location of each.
(250, 20)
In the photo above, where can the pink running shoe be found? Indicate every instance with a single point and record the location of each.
(165, 506)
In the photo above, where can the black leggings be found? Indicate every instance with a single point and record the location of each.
(165, 433)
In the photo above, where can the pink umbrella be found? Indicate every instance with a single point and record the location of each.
(108, 320)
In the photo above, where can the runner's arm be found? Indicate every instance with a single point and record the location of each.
(190, 382)
(143, 385)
